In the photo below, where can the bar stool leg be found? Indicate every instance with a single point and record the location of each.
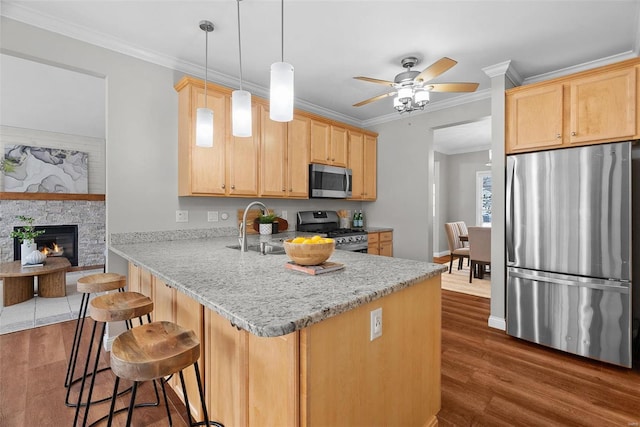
(73, 357)
(132, 403)
(84, 375)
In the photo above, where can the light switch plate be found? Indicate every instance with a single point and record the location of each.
(212, 216)
(182, 216)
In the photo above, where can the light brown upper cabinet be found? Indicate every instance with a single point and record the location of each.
(534, 118)
(284, 156)
(590, 107)
(274, 162)
(201, 171)
(242, 160)
(328, 144)
(362, 161)
(603, 107)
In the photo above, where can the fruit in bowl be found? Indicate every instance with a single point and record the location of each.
(309, 251)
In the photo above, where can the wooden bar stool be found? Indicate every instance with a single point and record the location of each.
(154, 351)
(112, 307)
(87, 285)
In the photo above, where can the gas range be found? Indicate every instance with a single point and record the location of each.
(326, 224)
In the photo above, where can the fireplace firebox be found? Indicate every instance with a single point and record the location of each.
(57, 240)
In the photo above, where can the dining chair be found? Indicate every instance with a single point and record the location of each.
(462, 231)
(479, 249)
(456, 248)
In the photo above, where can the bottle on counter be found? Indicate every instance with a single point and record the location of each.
(354, 223)
(361, 219)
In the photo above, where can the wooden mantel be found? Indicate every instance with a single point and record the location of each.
(51, 196)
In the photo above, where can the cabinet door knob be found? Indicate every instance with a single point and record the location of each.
(233, 187)
(283, 190)
(573, 133)
(558, 136)
(223, 186)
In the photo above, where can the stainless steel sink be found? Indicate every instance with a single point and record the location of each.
(268, 249)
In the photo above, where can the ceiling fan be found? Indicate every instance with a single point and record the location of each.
(412, 87)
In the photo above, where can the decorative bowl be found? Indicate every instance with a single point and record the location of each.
(35, 257)
(309, 253)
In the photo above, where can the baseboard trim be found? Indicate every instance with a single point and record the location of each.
(497, 323)
(440, 254)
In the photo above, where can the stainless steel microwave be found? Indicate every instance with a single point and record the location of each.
(329, 182)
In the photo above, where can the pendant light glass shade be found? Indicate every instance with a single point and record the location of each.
(204, 127)
(281, 96)
(204, 116)
(241, 113)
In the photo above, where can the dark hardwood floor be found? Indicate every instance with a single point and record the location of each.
(491, 379)
(488, 379)
(33, 364)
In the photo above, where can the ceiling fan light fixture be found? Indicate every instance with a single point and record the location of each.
(397, 104)
(204, 116)
(405, 94)
(421, 97)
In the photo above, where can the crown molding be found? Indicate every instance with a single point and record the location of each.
(581, 67)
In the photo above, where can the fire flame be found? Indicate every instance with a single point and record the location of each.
(56, 250)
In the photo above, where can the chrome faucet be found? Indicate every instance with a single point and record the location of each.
(242, 238)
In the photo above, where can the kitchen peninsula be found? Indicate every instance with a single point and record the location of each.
(280, 347)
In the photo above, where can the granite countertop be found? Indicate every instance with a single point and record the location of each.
(257, 293)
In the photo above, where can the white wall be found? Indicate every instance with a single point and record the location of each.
(457, 201)
(28, 87)
(405, 176)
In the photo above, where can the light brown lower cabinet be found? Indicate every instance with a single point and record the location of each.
(380, 243)
(329, 373)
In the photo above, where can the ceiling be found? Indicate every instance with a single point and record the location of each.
(329, 42)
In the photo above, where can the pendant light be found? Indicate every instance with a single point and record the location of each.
(281, 95)
(204, 116)
(241, 99)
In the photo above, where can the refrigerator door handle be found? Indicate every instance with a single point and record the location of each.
(509, 214)
(605, 285)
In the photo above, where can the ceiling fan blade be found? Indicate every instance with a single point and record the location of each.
(372, 80)
(452, 87)
(435, 69)
(375, 98)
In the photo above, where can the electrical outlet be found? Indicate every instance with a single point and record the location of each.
(212, 216)
(182, 216)
(283, 215)
(376, 324)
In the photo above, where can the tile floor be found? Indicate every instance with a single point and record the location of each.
(43, 311)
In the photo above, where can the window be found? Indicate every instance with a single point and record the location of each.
(483, 198)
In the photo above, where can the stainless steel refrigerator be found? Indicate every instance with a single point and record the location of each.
(569, 250)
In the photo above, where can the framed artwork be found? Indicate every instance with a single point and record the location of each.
(29, 169)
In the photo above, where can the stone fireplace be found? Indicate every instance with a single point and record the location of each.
(86, 216)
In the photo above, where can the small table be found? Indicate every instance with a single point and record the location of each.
(18, 280)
